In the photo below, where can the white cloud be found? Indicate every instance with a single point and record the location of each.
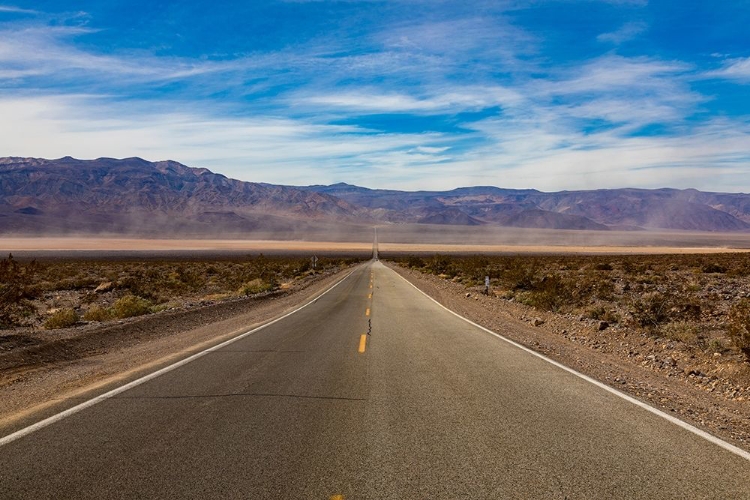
(264, 149)
(16, 10)
(625, 33)
(734, 69)
(616, 74)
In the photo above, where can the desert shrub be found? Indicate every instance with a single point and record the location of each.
(738, 326)
(601, 313)
(415, 262)
(683, 331)
(651, 310)
(686, 309)
(131, 305)
(520, 276)
(63, 318)
(97, 313)
(713, 268)
(16, 291)
(440, 264)
(256, 286)
(603, 266)
(549, 293)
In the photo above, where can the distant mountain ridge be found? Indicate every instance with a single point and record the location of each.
(625, 209)
(135, 196)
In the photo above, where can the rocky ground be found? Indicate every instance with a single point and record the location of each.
(708, 389)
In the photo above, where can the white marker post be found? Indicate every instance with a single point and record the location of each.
(486, 285)
(314, 261)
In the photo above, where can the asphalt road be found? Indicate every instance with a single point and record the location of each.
(425, 407)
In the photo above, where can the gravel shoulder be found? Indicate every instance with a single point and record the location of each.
(43, 372)
(699, 391)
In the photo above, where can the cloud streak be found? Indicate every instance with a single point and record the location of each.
(432, 100)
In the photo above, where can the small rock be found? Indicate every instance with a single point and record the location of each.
(537, 321)
(468, 295)
(717, 355)
(603, 325)
(104, 287)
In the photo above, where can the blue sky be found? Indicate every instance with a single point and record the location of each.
(406, 94)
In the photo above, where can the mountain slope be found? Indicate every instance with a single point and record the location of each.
(594, 210)
(135, 196)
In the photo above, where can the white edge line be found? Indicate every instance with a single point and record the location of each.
(705, 435)
(114, 392)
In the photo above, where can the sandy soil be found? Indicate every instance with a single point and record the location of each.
(658, 373)
(681, 245)
(174, 245)
(44, 378)
(548, 249)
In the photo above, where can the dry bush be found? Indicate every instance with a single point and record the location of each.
(683, 331)
(651, 310)
(97, 313)
(131, 305)
(144, 283)
(17, 290)
(738, 326)
(256, 286)
(64, 318)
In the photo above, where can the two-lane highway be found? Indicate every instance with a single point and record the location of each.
(372, 391)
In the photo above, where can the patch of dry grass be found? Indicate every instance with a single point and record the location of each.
(104, 289)
(700, 300)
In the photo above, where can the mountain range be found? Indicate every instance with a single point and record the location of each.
(133, 196)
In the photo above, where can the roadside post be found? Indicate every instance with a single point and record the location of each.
(486, 285)
(314, 261)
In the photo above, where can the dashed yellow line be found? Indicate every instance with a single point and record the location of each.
(337, 497)
(362, 344)
(367, 312)
(369, 296)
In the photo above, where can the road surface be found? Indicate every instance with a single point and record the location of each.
(425, 406)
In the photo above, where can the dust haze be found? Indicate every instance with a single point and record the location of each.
(394, 238)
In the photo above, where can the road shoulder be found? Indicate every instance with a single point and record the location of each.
(677, 396)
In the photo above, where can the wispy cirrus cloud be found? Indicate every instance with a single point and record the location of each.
(625, 33)
(16, 10)
(428, 95)
(737, 69)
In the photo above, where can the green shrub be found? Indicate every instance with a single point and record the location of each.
(131, 305)
(63, 318)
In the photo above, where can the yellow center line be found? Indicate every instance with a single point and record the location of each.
(367, 312)
(369, 296)
(362, 344)
(337, 497)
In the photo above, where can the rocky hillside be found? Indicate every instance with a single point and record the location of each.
(134, 196)
(622, 209)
